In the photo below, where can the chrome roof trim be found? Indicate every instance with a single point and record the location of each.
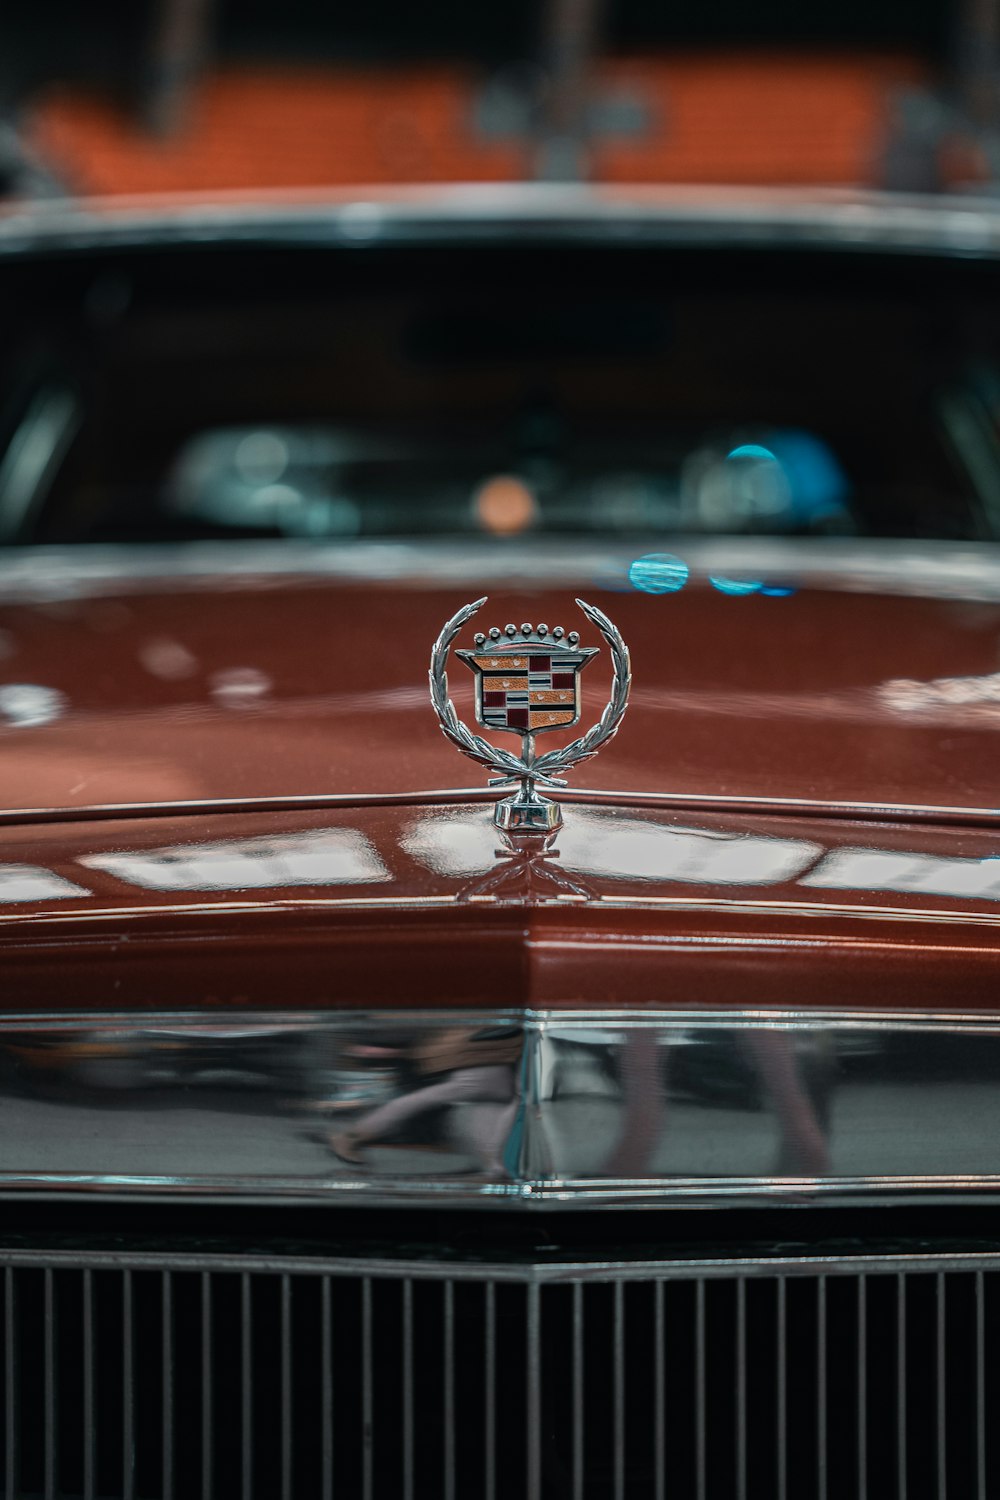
(540, 1109)
(500, 213)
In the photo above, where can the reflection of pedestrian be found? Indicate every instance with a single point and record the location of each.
(643, 1104)
(463, 1066)
(804, 1149)
(642, 1071)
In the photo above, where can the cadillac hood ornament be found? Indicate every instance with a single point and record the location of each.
(527, 682)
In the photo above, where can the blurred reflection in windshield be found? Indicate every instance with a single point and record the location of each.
(325, 481)
(491, 390)
(504, 505)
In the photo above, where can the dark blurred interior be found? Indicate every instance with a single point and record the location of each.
(464, 390)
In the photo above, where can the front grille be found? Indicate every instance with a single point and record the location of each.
(158, 1376)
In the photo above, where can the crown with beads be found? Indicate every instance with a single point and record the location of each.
(535, 637)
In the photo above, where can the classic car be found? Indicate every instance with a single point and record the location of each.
(355, 1142)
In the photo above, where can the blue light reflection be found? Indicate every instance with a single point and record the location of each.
(658, 573)
(736, 586)
(814, 487)
(740, 587)
(752, 450)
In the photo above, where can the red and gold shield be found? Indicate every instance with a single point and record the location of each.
(527, 685)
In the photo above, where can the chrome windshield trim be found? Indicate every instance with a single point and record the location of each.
(511, 1108)
(926, 569)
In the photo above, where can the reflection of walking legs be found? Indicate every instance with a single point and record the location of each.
(804, 1150)
(644, 1106)
(493, 1084)
(642, 1072)
(486, 1133)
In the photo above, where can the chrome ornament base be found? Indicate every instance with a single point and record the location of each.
(527, 812)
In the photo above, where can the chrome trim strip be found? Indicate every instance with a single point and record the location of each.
(513, 1108)
(887, 565)
(709, 802)
(388, 1267)
(510, 214)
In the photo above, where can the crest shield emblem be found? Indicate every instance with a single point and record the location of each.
(527, 680)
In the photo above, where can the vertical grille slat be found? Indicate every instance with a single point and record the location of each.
(821, 1406)
(326, 1416)
(942, 1445)
(206, 1387)
(246, 1387)
(268, 1378)
(448, 1354)
(700, 1394)
(901, 1393)
(51, 1453)
(579, 1358)
(981, 1385)
(741, 1389)
(533, 1375)
(781, 1414)
(367, 1409)
(660, 1417)
(619, 1379)
(167, 1375)
(10, 1382)
(861, 1382)
(286, 1387)
(490, 1409)
(128, 1399)
(89, 1367)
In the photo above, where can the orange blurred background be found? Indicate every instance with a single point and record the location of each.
(214, 96)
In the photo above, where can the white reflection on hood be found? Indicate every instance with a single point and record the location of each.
(27, 705)
(32, 883)
(340, 856)
(620, 849)
(879, 870)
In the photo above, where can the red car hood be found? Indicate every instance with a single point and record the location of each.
(294, 686)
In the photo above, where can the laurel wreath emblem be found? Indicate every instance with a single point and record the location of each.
(544, 768)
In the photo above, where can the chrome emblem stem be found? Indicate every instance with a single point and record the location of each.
(527, 683)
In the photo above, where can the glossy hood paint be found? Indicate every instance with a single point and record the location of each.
(285, 686)
(370, 907)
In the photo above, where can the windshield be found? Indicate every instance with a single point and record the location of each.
(452, 391)
(538, 358)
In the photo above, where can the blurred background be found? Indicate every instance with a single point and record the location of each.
(475, 383)
(135, 96)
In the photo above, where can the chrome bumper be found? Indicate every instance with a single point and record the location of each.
(511, 1108)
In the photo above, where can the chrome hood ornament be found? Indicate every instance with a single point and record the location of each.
(528, 682)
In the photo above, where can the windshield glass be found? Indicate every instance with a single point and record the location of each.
(454, 391)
